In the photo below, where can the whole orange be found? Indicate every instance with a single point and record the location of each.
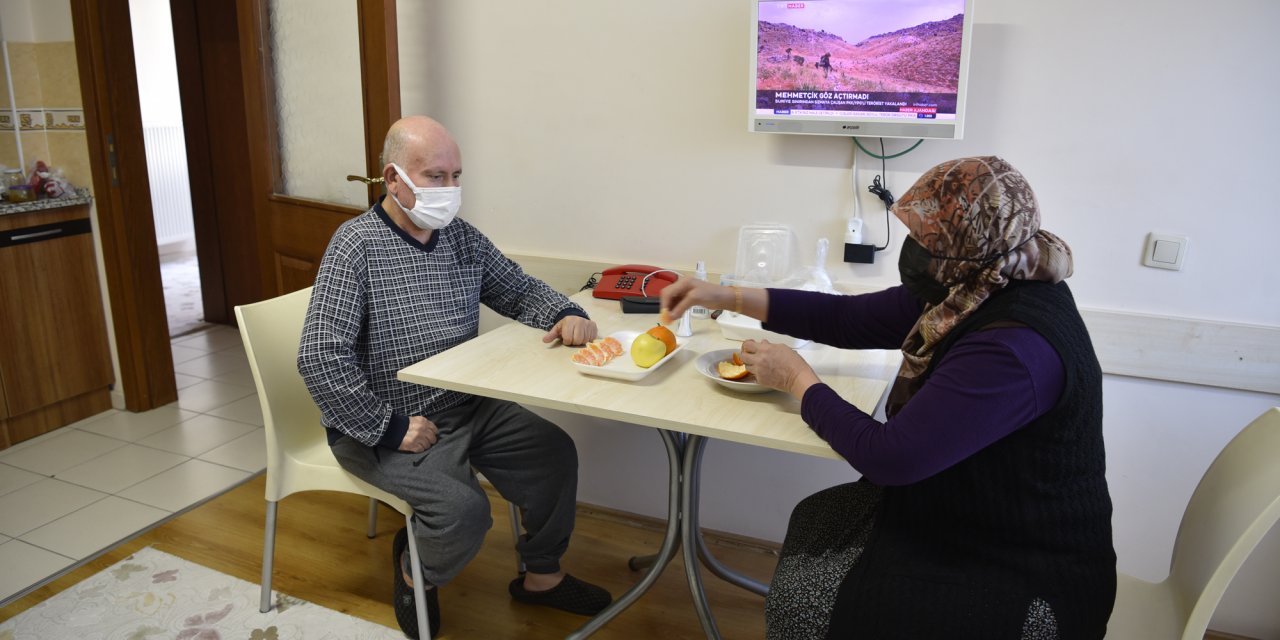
(664, 334)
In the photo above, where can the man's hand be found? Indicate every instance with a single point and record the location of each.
(778, 366)
(422, 433)
(572, 331)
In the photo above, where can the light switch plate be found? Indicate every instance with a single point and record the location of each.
(1164, 251)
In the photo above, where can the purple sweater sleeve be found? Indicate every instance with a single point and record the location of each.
(988, 385)
(879, 320)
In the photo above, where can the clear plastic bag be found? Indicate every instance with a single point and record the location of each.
(813, 277)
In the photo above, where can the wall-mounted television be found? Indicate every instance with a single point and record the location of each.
(878, 68)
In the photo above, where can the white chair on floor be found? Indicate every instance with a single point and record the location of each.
(1236, 503)
(298, 455)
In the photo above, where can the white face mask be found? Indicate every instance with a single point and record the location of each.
(434, 207)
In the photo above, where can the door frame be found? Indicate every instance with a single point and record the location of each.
(122, 198)
(117, 158)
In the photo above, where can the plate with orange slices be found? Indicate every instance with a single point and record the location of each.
(726, 370)
(611, 357)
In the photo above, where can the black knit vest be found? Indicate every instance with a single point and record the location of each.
(964, 553)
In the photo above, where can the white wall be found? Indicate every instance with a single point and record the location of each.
(617, 132)
(156, 61)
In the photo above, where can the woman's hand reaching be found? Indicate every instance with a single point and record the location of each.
(687, 293)
(779, 367)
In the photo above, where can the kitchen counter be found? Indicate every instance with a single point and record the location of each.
(79, 197)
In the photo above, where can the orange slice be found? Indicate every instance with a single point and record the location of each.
(730, 371)
(736, 359)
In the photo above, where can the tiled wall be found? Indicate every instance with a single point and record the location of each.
(46, 92)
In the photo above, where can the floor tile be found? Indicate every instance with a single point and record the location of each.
(132, 427)
(197, 435)
(185, 380)
(212, 365)
(184, 485)
(247, 410)
(59, 454)
(121, 468)
(40, 503)
(215, 338)
(95, 527)
(238, 377)
(248, 452)
(13, 478)
(183, 354)
(209, 394)
(92, 419)
(25, 565)
(31, 442)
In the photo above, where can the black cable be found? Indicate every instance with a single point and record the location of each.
(591, 282)
(882, 191)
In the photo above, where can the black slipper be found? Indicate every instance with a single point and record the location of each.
(572, 595)
(402, 600)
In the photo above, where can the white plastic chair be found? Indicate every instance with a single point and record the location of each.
(1234, 506)
(298, 455)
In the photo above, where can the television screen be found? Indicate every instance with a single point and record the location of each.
(880, 68)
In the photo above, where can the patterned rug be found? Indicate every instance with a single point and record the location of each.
(182, 302)
(153, 595)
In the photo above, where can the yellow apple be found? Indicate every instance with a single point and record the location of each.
(646, 350)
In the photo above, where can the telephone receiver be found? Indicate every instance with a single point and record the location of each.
(632, 280)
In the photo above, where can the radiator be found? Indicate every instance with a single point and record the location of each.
(170, 187)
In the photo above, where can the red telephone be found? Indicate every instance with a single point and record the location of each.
(633, 280)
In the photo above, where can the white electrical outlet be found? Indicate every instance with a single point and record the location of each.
(853, 232)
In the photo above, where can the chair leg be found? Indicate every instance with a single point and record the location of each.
(515, 534)
(373, 518)
(268, 556)
(419, 594)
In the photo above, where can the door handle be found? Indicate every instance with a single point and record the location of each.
(365, 180)
(38, 234)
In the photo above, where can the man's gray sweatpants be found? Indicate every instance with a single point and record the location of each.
(530, 461)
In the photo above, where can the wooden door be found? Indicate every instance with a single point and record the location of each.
(322, 87)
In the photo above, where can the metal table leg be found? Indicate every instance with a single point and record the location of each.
(704, 554)
(725, 573)
(670, 542)
(690, 534)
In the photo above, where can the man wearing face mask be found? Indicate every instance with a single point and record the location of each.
(983, 510)
(405, 281)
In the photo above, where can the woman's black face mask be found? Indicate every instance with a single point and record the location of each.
(913, 267)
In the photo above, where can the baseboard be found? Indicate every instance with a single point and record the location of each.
(1217, 635)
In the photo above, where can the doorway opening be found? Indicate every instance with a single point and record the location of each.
(166, 151)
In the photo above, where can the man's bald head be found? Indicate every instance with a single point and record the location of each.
(413, 136)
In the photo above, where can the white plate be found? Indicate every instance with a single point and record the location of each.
(622, 366)
(706, 364)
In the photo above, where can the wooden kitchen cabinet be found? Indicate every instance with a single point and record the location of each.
(55, 362)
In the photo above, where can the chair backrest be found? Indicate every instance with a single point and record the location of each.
(271, 331)
(298, 454)
(1234, 506)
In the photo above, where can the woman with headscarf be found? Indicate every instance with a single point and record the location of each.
(983, 509)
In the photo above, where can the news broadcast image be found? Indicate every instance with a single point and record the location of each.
(887, 58)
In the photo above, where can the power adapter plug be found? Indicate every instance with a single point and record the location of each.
(860, 253)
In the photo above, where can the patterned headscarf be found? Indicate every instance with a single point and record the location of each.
(979, 219)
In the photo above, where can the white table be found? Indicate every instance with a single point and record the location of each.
(512, 363)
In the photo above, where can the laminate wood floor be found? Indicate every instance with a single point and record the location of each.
(323, 556)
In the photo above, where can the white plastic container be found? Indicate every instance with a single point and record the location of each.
(736, 326)
(764, 253)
